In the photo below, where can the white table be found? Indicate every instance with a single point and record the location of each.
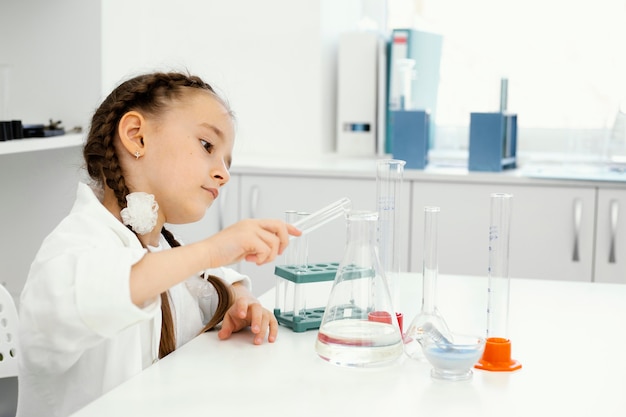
(570, 338)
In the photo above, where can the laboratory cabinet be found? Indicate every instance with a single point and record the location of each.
(610, 256)
(551, 228)
(269, 196)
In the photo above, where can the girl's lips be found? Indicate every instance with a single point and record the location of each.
(212, 191)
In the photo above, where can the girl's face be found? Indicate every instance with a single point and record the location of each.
(188, 151)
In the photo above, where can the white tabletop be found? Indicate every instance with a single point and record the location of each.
(569, 336)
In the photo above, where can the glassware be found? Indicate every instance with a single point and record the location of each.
(617, 139)
(452, 360)
(283, 302)
(429, 316)
(308, 223)
(389, 173)
(359, 327)
(497, 355)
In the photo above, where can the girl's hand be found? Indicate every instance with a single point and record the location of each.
(247, 311)
(255, 240)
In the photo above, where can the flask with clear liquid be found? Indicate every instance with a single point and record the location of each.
(359, 327)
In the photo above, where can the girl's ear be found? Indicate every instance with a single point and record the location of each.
(130, 129)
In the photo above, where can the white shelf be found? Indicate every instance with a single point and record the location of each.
(39, 144)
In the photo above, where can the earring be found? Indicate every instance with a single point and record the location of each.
(137, 154)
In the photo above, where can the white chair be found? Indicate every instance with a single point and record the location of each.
(8, 353)
(8, 334)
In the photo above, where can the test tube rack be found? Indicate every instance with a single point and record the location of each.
(308, 318)
(303, 319)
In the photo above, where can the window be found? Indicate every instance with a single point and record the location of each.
(564, 60)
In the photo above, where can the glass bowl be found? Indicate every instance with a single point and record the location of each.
(453, 359)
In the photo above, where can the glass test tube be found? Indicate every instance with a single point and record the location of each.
(324, 215)
(498, 292)
(389, 174)
(283, 286)
(301, 259)
(431, 263)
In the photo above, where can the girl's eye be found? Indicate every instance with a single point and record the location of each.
(207, 146)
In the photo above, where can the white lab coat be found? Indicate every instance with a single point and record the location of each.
(80, 334)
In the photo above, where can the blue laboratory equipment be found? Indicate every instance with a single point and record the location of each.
(292, 308)
(409, 127)
(493, 137)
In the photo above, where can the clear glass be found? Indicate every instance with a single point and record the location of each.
(324, 215)
(282, 301)
(289, 297)
(617, 139)
(428, 320)
(300, 249)
(498, 271)
(389, 176)
(453, 360)
(359, 327)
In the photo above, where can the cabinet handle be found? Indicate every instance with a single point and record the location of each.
(578, 211)
(254, 200)
(614, 213)
(221, 207)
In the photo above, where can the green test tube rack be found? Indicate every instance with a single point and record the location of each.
(296, 318)
(290, 309)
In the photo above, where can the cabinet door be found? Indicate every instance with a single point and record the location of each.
(610, 265)
(270, 196)
(223, 212)
(548, 225)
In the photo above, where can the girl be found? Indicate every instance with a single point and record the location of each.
(111, 290)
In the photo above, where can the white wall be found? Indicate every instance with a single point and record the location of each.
(274, 60)
(52, 49)
(38, 190)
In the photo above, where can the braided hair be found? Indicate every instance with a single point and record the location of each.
(150, 93)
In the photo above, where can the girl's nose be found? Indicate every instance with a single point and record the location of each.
(221, 174)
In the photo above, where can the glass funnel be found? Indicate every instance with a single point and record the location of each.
(428, 319)
(359, 327)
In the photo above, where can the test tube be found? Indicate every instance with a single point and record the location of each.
(389, 175)
(284, 287)
(301, 259)
(497, 355)
(307, 224)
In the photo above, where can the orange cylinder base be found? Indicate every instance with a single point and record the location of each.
(497, 356)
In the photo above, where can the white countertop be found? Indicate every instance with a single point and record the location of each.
(569, 337)
(561, 173)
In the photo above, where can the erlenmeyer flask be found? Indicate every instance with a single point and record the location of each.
(428, 319)
(359, 327)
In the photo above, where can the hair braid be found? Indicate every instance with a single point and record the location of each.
(149, 93)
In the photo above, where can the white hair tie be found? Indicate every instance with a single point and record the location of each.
(141, 212)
